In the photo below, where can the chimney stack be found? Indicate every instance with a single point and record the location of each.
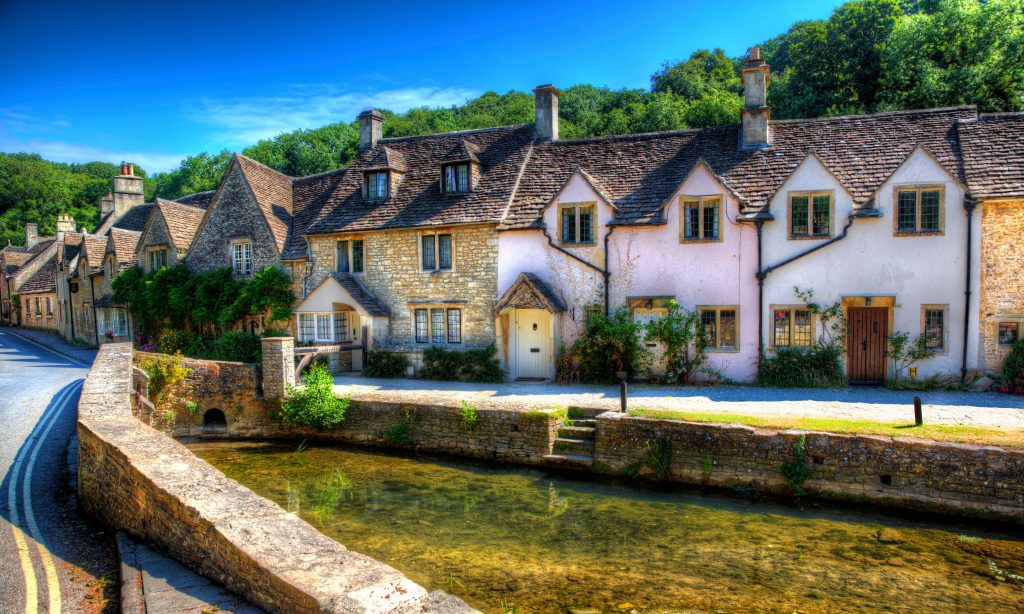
(65, 224)
(131, 169)
(107, 204)
(129, 191)
(31, 234)
(371, 128)
(755, 132)
(546, 102)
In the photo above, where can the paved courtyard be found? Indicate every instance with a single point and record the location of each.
(874, 404)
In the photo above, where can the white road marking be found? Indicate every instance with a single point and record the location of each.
(57, 353)
(27, 568)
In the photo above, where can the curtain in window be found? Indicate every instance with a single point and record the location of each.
(463, 177)
(437, 325)
(444, 251)
(357, 256)
(709, 322)
(711, 209)
(727, 328)
(569, 225)
(428, 253)
(450, 184)
(422, 326)
(691, 220)
(586, 224)
(381, 181)
(323, 327)
(343, 263)
(454, 326)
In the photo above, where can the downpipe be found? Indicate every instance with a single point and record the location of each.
(604, 272)
(969, 205)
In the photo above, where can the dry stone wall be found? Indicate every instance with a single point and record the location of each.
(145, 483)
(1002, 284)
(948, 477)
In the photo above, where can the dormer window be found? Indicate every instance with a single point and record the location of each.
(456, 178)
(376, 185)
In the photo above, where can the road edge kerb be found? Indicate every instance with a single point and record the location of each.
(132, 599)
(49, 348)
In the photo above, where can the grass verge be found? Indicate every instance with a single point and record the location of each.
(939, 432)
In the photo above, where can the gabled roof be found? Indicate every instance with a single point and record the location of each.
(122, 244)
(361, 294)
(182, 221)
(385, 157)
(418, 201)
(94, 248)
(993, 153)
(199, 199)
(530, 292)
(273, 192)
(43, 280)
(14, 259)
(462, 151)
(135, 218)
(640, 172)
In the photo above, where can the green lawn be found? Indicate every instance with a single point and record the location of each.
(939, 432)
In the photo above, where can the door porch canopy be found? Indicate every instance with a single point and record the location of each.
(530, 292)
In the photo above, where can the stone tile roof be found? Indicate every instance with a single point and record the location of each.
(530, 291)
(14, 260)
(309, 196)
(273, 191)
(361, 294)
(462, 151)
(640, 172)
(418, 200)
(182, 221)
(43, 280)
(135, 218)
(94, 248)
(993, 153)
(42, 245)
(72, 245)
(385, 157)
(199, 199)
(123, 243)
(107, 300)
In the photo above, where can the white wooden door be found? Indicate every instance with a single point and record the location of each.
(657, 350)
(533, 343)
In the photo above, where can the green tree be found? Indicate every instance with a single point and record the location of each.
(196, 173)
(704, 71)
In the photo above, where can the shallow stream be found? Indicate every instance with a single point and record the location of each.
(519, 539)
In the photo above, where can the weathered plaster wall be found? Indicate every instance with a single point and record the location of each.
(235, 214)
(955, 478)
(140, 481)
(1002, 275)
(871, 261)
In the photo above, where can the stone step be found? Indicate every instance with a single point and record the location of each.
(585, 412)
(566, 445)
(587, 422)
(577, 432)
(569, 461)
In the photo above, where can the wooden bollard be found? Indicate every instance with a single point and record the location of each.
(918, 418)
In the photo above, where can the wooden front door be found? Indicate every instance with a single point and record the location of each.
(533, 343)
(867, 331)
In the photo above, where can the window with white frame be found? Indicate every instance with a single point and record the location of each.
(437, 325)
(324, 327)
(701, 218)
(436, 253)
(721, 328)
(241, 257)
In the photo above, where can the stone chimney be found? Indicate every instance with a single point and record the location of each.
(65, 224)
(546, 102)
(755, 133)
(107, 204)
(128, 190)
(371, 128)
(31, 234)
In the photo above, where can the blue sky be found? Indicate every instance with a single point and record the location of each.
(153, 82)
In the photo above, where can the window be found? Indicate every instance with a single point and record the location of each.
(810, 216)
(1009, 333)
(933, 325)
(376, 185)
(455, 178)
(323, 327)
(37, 306)
(436, 252)
(241, 257)
(438, 325)
(350, 256)
(110, 267)
(357, 256)
(577, 224)
(702, 219)
(720, 328)
(156, 259)
(918, 211)
(49, 307)
(792, 327)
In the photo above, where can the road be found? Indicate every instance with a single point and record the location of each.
(51, 558)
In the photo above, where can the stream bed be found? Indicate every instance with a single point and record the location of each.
(514, 539)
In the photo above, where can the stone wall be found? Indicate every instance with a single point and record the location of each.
(394, 275)
(948, 477)
(43, 319)
(1002, 284)
(136, 479)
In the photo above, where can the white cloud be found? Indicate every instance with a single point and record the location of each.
(243, 121)
(64, 151)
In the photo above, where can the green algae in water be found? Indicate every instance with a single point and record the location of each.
(548, 543)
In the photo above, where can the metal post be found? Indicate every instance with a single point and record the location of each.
(918, 418)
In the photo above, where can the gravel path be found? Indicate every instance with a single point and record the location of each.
(874, 404)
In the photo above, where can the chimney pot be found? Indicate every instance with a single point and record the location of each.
(124, 168)
(755, 53)
(546, 112)
(371, 128)
(131, 169)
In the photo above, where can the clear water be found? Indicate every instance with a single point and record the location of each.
(513, 538)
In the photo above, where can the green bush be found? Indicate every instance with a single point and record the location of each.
(276, 332)
(315, 405)
(188, 343)
(818, 367)
(467, 366)
(469, 416)
(1013, 369)
(385, 364)
(611, 344)
(238, 346)
(681, 335)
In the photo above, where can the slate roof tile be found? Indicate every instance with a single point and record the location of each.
(135, 218)
(199, 199)
(123, 243)
(182, 221)
(273, 191)
(993, 153)
(43, 280)
(361, 294)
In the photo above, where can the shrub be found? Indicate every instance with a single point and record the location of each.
(1013, 370)
(681, 334)
(315, 404)
(168, 390)
(797, 471)
(238, 346)
(659, 456)
(610, 344)
(469, 416)
(400, 433)
(176, 340)
(385, 364)
(468, 365)
(276, 332)
(902, 352)
(817, 367)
